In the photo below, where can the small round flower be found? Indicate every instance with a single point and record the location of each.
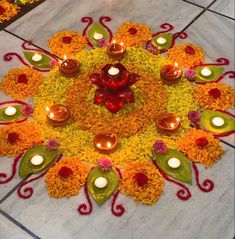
(13, 137)
(152, 48)
(202, 141)
(66, 43)
(160, 147)
(215, 93)
(103, 43)
(104, 164)
(133, 34)
(53, 63)
(27, 110)
(190, 74)
(65, 172)
(8, 10)
(141, 179)
(21, 83)
(52, 144)
(194, 116)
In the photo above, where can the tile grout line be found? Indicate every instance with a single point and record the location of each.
(21, 226)
(220, 14)
(228, 144)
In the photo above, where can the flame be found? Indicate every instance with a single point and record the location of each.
(98, 145)
(176, 64)
(114, 42)
(51, 115)
(109, 144)
(65, 57)
(47, 109)
(172, 125)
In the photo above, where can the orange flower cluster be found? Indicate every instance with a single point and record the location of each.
(21, 83)
(223, 100)
(17, 138)
(60, 186)
(206, 154)
(8, 10)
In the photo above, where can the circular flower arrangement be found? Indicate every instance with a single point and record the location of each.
(144, 122)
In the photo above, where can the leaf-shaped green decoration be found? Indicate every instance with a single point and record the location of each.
(167, 36)
(102, 195)
(43, 63)
(206, 122)
(98, 29)
(183, 173)
(17, 116)
(216, 72)
(26, 167)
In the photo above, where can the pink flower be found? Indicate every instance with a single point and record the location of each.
(103, 43)
(152, 48)
(160, 147)
(53, 63)
(104, 164)
(27, 110)
(52, 144)
(190, 74)
(194, 116)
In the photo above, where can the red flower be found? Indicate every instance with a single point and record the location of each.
(132, 31)
(67, 40)
(141, 179)
(2, 10)
(189, 50)
(12, 138)
(114, 90)
(65, 172)
(22, 78)
(215, 93)
(201, 142)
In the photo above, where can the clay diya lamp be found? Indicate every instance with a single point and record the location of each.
(171, 74)
(69, 67)
(167, 123)
(105, 142)
(57, 115)
(116, 50)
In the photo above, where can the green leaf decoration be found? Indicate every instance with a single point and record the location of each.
(26, 166)
(183, 173)
(19, 115)
(216, 72)
(168, 37)
(43, 63)
(103, 194)
(97, 28)
(206, 122)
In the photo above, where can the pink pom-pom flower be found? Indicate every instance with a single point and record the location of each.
(27, 110)
(103, 43)
(104, 164)
(152, 48)
(53, 63)
(160, 147)
(190, 74)
(194, 116)
(52, 144)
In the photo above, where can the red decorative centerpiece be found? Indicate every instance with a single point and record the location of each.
(114, 84)
(168, 123)
(57, 115)
(171, 74)
(69, 67)
(116, 49)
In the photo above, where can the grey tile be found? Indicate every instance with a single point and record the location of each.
(225, 7)
(50, 17)
(205, 215)
(9, 230)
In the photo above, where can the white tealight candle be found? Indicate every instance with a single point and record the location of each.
(113, 71)
(101, 182)
(10, 111)
(206, 72)
(37, 160)
(98, 36)
(161, 40)
(218, 121)
(174, 163)
(37, 57)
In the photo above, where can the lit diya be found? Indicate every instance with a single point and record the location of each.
(69, 67)
(116, 49)
(57, 115)
(105, 142)
(171, 74)
(168, 123)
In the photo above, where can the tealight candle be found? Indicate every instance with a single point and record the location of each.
(69, 67)
(171, 74)
(37, 160)
(168, 123)
(161, 40)
(37, 57)
(105, 141)
(116, 49)
(173, 163)
(57, 115)
(101, 182)
(113, 71)
(206, 72)
(218, 121)
(10, 111)
(98, 36)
